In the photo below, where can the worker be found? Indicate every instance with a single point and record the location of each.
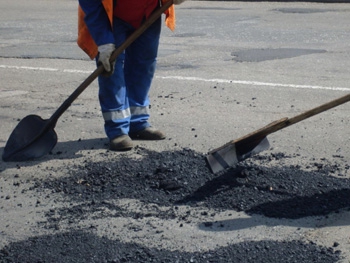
(124, 86)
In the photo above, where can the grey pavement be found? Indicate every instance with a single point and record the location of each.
(228, 69)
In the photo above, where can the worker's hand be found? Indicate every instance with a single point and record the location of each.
(177, 2)
(105, 52)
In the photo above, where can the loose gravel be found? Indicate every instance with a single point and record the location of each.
(264, 185)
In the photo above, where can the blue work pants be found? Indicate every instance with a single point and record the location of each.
(124, 95)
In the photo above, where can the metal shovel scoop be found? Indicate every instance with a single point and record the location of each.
(34, 137)
(235, 151)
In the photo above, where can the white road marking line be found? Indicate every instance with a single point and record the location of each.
(241, 82)
(256, 83)
(46, 69)
(11, 93)
(77, 71)
(28, 68)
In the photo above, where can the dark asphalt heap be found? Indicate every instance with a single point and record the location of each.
(79, 247)
(181, 177)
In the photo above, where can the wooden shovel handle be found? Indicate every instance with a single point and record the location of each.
(319, 109)
(285, 122)
(263, 132)
(256, 136)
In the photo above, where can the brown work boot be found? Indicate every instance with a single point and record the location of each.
(148, 134)
(121, 143)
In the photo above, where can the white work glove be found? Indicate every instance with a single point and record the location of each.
(105, 52)
(177, 2)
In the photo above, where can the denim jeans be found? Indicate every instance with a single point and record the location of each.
(124, 95)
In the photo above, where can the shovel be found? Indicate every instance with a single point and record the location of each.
(33, 136)
(235, 151)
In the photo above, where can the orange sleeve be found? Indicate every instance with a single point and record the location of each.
(108, 6)
(85, 41)
(170, 17)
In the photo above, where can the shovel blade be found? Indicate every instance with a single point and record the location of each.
(32, 138)
(233, 153)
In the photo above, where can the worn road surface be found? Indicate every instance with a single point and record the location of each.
(228, 69)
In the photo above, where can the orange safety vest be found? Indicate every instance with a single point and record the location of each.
(88, 45)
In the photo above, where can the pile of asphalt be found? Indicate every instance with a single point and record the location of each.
(183, 178)
(174, 178)
(78, 246)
